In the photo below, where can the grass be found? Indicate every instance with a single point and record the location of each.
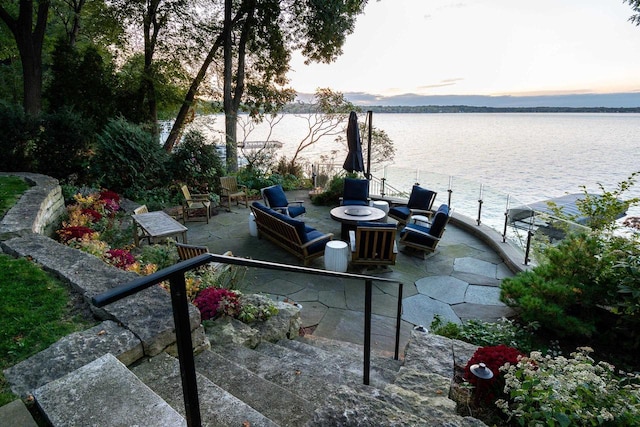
(11, 188)
(36, 310)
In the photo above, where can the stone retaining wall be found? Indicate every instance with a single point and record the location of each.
(39, 207)
(147, 315)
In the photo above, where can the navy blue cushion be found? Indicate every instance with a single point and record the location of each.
(297, 224)
(421, 198)
(415, 237)
(346, 202)
(375, 224)
(275, 196)
(356, 189)
(317, 246)
(296, 210)
(262, 207)
(401, 212)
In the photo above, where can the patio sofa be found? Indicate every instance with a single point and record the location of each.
(290, 234)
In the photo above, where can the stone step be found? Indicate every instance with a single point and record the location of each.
(383, 359)
(295, 373)
(18, 413)
(71, 353)
(104, 393)
(275, 402)
(217, 407)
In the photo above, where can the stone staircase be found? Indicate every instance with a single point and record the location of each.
(309, 381)
(121, 373)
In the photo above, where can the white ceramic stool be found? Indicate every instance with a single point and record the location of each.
(383, 206)
(336, 256)
(253, 227)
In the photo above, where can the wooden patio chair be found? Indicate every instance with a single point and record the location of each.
(186, 252)
(373, 244)
(140, 234)
(194, 204)
(230, 189)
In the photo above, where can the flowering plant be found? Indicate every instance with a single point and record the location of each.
(494, 358)
(214, 301)
(569, 391)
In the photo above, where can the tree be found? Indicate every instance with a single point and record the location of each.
(29, 37)
(635, 5)
(331, 112)
(258, 37)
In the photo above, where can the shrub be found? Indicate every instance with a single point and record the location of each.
(195, 162)
(494, 357)
(331, 194)
(481, 333)
(128, 160)
(215, 301)
(64, 144)
(569, 391)
(19, 138)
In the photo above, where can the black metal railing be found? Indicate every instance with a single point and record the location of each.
(180, 305)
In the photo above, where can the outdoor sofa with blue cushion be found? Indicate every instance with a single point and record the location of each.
(355, 192)
(275, 198)
(373, 244)
(425, 238)
(420, 203)
(289, 233)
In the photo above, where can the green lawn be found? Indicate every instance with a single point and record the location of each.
(36, 309)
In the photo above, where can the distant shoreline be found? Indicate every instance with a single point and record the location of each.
(448, 109)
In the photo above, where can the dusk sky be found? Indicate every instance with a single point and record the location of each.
(484, 47)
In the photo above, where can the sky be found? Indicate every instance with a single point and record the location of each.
(483, 47)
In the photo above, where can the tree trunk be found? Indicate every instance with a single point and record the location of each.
(178, 124)
(30, 47)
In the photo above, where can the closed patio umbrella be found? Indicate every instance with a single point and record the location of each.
(354, 162)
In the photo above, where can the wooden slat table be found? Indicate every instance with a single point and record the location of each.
(158, 224)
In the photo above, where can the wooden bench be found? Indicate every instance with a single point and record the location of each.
(290, 234)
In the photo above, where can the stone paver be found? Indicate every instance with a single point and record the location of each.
(446, 283)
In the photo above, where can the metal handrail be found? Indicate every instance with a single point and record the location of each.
(180, 306)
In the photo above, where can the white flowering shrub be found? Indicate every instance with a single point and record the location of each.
(574, 391)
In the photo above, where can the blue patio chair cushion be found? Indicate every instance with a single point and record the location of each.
(276, 197)
(402, 212)
(356, 192)
(319, 245)
(301, 228)
(375, 224)
(415, 237)
(296, 210)
(420, 198)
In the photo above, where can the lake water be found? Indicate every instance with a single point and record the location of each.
(530, 156)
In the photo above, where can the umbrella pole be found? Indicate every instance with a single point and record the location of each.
(370, 114)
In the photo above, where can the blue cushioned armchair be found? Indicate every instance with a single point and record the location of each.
(423, 238)
(275, 198)
(355, 192)
(420, 203)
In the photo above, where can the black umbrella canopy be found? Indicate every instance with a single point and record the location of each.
(354, 162)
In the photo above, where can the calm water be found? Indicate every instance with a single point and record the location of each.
(530, 156)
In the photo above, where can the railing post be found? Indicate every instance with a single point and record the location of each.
(398, 323)
(185, 349)
(526, 253)
(367, 330)
(382, 180)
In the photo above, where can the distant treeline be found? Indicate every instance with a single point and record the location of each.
(433, 109)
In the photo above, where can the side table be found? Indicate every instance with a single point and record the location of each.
(336, 256)
(383, 206)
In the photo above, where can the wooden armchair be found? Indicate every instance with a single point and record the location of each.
(139, 232)
(230, 189)
(193, 204)
(186, 252)
(373, 244)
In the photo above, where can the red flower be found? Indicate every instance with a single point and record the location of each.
(111, 200)
(494, 357)
(74, 232)
(214, 301)
(94, 214)
(120, 258)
